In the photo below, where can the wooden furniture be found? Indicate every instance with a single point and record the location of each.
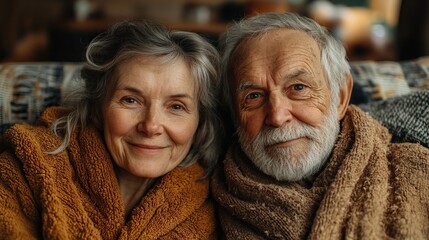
(69, 39)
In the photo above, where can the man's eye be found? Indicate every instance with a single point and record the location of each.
(253, 95)
(298, 87)
(253, 100)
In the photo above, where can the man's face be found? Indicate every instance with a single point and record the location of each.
(287, 122)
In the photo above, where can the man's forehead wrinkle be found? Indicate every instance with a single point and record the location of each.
(243, 70)
(303, 63)
(249, 66)
(251, 63)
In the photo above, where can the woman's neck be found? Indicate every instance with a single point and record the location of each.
(133, 188)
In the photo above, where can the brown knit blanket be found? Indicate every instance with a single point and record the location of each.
(369, 189)
(75, 194)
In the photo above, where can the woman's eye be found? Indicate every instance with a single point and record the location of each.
(128, 100)
(177, 107)
(298, 87)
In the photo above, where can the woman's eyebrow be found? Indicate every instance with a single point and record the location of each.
(182, 95)
(138, 91)
(130, 89)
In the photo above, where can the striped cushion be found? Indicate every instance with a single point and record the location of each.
(383, 80)
(26, 89)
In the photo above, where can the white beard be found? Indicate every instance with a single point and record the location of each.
(298, 161)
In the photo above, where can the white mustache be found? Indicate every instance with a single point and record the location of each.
(271, 136)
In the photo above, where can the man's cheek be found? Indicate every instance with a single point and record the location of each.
(251, 124)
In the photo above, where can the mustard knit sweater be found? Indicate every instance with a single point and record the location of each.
(75, 194)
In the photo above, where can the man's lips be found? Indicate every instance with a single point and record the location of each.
(287, 143)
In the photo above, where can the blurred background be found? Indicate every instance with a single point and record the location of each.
(60, 30)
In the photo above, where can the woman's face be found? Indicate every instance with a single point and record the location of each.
(151, 117)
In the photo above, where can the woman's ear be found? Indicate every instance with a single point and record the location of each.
(345, 94)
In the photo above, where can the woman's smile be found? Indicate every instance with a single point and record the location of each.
(147, 148)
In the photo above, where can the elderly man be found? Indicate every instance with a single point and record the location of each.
(305, 163)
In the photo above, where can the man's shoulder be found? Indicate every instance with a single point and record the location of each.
(409, 155)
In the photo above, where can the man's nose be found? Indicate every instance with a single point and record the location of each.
(278, 111)
(150, 123)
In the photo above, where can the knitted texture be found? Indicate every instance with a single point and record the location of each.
(75, 194)
(369, 189)
(406, 117)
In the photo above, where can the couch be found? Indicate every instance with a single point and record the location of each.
(396, 93)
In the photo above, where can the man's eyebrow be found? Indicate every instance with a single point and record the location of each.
(292, 75)
(296, 73)
(245, 85)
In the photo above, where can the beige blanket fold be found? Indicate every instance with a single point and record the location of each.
(75, 194)
(369, 189)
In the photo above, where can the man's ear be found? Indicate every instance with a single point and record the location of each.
(345, 94)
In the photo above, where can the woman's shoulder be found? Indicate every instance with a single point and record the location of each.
(193, 173)
(34, 136)
(51, 114)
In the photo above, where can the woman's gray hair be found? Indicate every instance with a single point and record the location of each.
(129, 39)
(333, 54)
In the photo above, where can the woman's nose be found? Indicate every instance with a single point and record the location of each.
(150, 122)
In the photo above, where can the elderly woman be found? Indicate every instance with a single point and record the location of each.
(127, 156)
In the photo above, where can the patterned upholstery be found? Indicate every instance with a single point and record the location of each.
(26, 89)
(406, 117)
(382, 80)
